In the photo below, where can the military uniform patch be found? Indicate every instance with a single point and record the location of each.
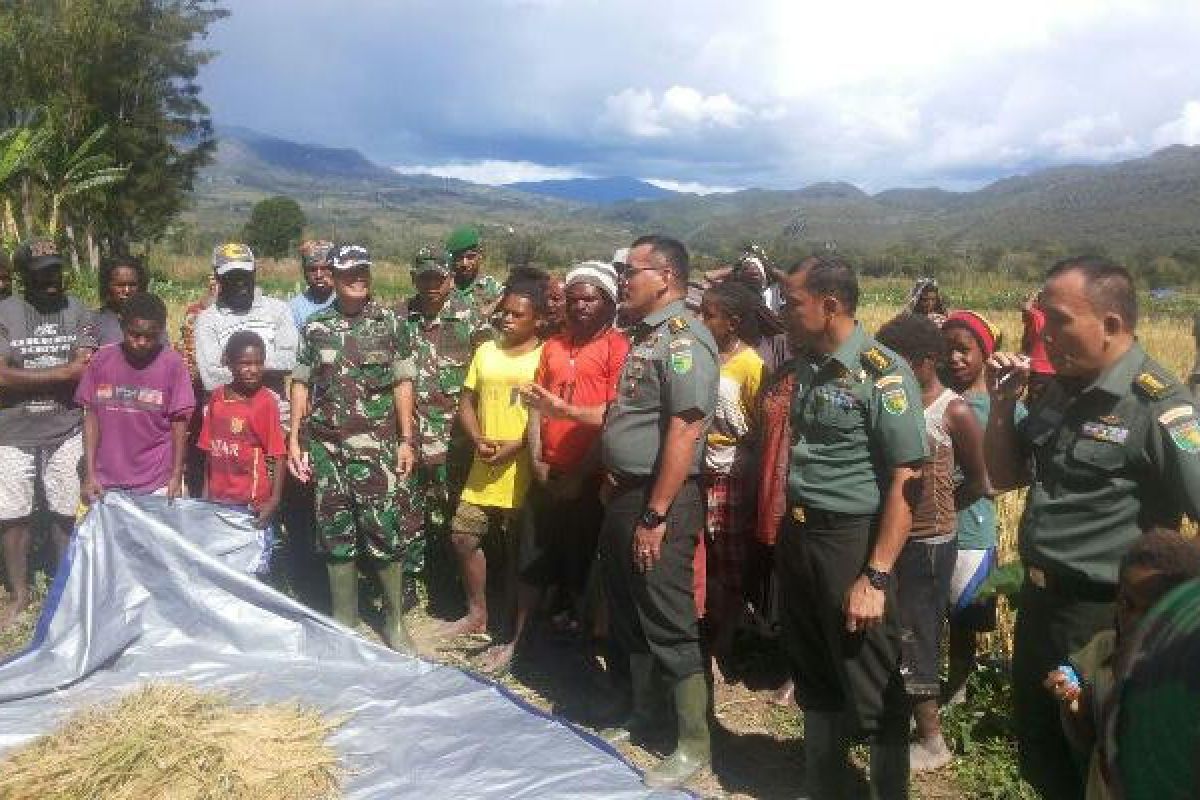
(1152, 385)
(876, 360)
(677, 324)
(1176, 413)
(1186, 435)
(888, 380)
(681, 361)
(895, 401)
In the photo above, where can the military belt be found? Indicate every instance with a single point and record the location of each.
(819, 518)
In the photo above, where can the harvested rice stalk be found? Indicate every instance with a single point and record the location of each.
(174, 742)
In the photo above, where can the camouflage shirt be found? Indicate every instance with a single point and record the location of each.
(350, 365)
(442, 350)
(482, 293)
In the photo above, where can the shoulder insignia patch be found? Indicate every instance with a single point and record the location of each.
(895, 401)
(1151, 385)
(875, 360)
(1176, 413)
(1186, 435)
(677, 324)
(888, 380)
(681, 361)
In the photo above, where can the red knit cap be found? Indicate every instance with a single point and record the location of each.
(987, 333)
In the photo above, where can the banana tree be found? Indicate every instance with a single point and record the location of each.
(21, 148)
(68, 174)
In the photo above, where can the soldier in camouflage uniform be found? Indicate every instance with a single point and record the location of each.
(464, 250)
(444, 328)
(352, 386)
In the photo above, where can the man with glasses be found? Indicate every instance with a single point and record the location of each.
(651, 447)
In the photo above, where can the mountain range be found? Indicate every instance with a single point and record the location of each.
(1146, 202)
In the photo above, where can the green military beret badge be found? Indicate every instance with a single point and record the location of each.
(895, 401)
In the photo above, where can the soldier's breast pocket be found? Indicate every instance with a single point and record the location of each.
(1095, 457)
(837, 414)
(639, 382)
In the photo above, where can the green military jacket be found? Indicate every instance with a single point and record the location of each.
(856, 414)
(483, 292)
(351, 365)
(1108, 463)
(671, 369)
(442, 349)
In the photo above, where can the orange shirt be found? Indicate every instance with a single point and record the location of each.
(583, 375)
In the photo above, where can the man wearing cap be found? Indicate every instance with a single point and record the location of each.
(242, 307)
(857, 450)
(315, 257)
(1109, 450)
(444, 328)
(46, 338)
(464, 249)
(576, 380)
(651, 447)
(352, 387)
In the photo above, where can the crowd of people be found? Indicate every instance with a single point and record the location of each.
(669, 456)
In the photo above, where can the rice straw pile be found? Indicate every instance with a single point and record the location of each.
(174, 742)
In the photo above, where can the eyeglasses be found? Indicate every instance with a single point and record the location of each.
(628, 273)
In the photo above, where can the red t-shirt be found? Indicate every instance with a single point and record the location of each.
(583, 375)
(240, 434)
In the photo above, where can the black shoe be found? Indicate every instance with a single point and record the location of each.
(411, 598)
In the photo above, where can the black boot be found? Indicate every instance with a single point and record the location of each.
(826, 747)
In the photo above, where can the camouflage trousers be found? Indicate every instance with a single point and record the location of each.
(360, 501)
(438, 486)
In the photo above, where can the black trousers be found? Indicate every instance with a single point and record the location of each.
(654, 612)
(1050, 626)
(857, 674)
(557, 537)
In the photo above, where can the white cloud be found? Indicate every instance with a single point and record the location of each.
(689, 187)
(492, 172)
(681, 109)
(1185, 129)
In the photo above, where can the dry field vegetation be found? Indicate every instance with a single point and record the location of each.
(758, 748)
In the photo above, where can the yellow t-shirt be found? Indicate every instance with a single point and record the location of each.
(495, 376)
(737, 395)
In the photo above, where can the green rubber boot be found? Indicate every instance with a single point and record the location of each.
(343, 591)
(643, 717)
(395, 634)
(693, 751)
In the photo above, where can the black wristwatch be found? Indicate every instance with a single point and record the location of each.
(651, 518)
(877, 578)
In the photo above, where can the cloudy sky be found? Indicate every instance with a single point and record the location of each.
(714, 93)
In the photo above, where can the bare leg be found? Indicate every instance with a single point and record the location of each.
(60, 535)
(497, 657)
(929, 752)
(473, 563)
(17, 538)
(962, 664)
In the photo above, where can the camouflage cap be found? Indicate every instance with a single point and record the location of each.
(316, 251)
(232, 256)
(460, 239)
(429, 259)
(351, 256)
(37, 254)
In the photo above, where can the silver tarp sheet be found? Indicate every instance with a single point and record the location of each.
(152, 592)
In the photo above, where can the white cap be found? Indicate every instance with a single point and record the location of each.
(232, 256)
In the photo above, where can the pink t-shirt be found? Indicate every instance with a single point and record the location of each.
(134, 409)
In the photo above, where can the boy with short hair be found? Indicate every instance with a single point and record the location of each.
(1158, 562)
(494, 417)
(138, 398)
(241, 432)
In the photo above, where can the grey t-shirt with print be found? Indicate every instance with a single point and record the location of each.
(30, 339)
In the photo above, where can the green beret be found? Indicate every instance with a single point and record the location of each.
(461, 239)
